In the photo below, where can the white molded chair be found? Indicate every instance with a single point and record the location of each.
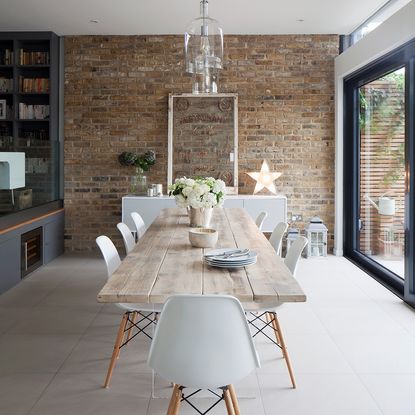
(276, 237)
(291, 261)
(203, 342)
(127, 237)
(139, 224)
(131, 311)
(259, 221)
(294, 254)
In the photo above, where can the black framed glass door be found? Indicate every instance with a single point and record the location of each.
(378, 169)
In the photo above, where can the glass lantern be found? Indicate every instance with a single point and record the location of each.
(203, 46)
(316, 233)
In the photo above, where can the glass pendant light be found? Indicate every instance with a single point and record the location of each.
(203, 46)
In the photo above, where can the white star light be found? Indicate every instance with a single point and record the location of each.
(265, 178)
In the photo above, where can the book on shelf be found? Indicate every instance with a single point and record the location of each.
(33, 58)
(33, 112)
(5, 130)
(6, 57)
(34, 134)
(37, 85)
(6, 84)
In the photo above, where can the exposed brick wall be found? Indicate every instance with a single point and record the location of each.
(116, 90)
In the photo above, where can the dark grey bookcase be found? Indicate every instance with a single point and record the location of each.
(39, 140)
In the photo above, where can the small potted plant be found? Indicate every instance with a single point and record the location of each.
(199, 196)
(142, 163)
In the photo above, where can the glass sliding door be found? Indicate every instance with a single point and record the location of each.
(379, 167)
(382, 170)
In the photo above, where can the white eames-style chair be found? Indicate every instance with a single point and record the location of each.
(291, 261)
(132, 312)
(294, 254)
(127, 237)
(276, 237)
(203, 342)
(259, 221)
(139, 224)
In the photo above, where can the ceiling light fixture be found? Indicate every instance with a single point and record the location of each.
(203, 47)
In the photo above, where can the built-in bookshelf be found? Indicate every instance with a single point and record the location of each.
(29, 72)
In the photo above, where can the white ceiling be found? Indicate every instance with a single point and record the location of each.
(122, 17)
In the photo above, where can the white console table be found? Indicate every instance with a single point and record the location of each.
(149, 208)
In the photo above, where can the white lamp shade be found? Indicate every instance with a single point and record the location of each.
(12, 170)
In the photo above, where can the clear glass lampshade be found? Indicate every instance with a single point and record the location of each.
(204, 51)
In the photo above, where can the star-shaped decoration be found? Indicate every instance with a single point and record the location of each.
(265, 178)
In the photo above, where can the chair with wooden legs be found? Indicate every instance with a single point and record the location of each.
(259, 221)
(140, 227)
(127, 237)
(256, 317)
(134, 314)
(276, 237)
(203, 342)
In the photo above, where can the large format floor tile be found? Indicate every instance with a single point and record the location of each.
(392, 392)
(20, 392)
(309, 354)
(380, 353)
(317, 394)
(56, 320)
(93, 354)
(84, 394)
(34, 353)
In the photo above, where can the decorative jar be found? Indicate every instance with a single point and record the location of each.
(139, 183)
(199, 217)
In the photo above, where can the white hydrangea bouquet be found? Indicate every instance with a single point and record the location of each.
(199, 196)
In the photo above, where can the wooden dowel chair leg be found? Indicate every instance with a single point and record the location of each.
(130, 330)
(173, 399)
(270, 318)
(116, 351)
(178, 399)
(228, 401)
(124, 336)
(234, 400)
(284, 348)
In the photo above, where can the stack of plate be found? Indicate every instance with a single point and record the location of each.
(230, 258)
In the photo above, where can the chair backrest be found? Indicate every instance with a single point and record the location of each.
(294, 253)
(109, 252)
(276, 237)
(203, 341)
(127, 237)
(139, 224)
(260, 219)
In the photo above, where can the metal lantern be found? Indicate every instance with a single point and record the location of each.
(203, 46)
(292, 235)
(317, 238)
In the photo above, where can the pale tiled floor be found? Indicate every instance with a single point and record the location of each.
(352, 346)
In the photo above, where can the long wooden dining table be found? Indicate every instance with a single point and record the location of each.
(163, 263)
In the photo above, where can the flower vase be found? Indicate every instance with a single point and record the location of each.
(200, 217)
(139, 183)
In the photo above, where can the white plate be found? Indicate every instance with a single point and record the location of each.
(247, 257)
(231, 265)
(245, 261)
(222, 251)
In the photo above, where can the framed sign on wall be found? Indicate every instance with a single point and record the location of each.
(203, 137)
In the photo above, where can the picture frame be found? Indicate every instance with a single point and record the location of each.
(3, 109)
(203, 137)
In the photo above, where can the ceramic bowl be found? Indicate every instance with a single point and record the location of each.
(203, 237)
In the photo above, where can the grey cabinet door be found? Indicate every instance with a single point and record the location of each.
(53, 239)
(10, 273)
